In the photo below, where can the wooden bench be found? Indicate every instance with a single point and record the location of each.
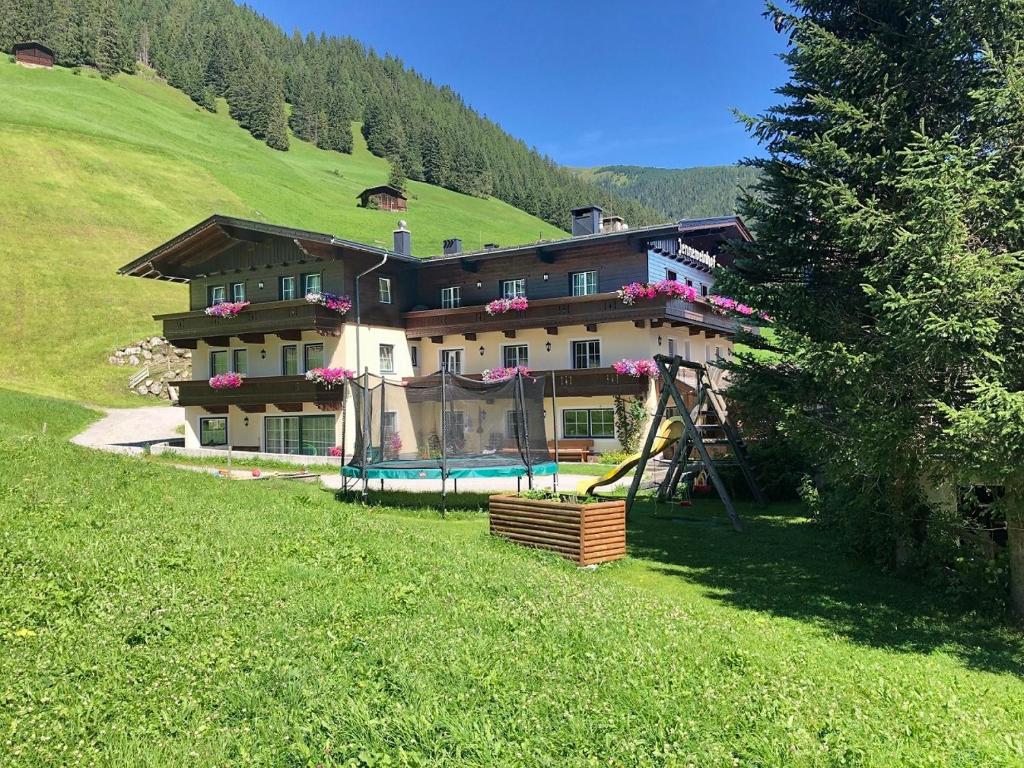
(573, 450)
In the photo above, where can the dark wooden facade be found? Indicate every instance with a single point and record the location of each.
(581, 382)
(384, 198)
(286, 393)
(33, 53)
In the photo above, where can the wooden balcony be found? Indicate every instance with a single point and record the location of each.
(286, 393)
(570, 310)
(283, 318)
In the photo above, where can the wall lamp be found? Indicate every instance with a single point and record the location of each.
(260, 285)
(245, 421)
(479, 284)
(659, 341)
(545, 277)
(481, 351)
(263, 354)
(547, 346)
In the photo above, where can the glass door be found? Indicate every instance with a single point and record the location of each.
(282, 434)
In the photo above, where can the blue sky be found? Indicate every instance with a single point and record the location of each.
(598, 83)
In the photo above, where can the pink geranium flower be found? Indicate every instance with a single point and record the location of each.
(226, 381)
(226, 308)
(636, 368)
(501, 306)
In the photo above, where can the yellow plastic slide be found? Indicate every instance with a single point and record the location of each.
(670, 431)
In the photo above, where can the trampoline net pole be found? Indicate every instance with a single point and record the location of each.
(554, 428)
(524, 428)
(446, 424)
(366, 429)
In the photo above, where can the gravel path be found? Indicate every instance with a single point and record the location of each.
(129, 430)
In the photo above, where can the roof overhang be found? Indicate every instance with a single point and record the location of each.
(181, 257)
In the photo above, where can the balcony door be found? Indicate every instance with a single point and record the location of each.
(305, 435)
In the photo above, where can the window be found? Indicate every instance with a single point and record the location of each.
(454, 426)
(387, 358)
(515, 354)
(213, 432)
(671, 347)
(703, 290)
(511, 289)
(602, 422)
(451, 360)
(306, 435)
(584, 283)
(238, 291)
(670, 275)
(384, 290)
(218, 362)
(286, 287)
(389, 423)
(686, 351)
(414, 356)
(240, 361)
(595, 422)
(290, 360)
(451, 297)
(311, 283)
(216, 294)
(586, 354)
(313, 356)
(513, 424)
(689, 283)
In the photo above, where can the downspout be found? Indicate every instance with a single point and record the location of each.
(359, 277)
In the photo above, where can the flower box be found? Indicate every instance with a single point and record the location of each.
(226, 309)
(329, 377)
(339, 304)
(636, 368)
(586, 533)
(501, 306)
(492, 375)
(226, 381)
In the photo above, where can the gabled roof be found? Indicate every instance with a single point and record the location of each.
(216, 234)
(31, 44)
(387, 188)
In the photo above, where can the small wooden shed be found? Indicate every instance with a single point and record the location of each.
(32, 53)
(384, 198)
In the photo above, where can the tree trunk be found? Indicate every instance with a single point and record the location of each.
(1015, 546)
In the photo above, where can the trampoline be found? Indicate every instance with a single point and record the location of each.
(446, 426)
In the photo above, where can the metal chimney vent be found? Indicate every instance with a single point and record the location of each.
(452, 246)
(586, 220)
(403, 240)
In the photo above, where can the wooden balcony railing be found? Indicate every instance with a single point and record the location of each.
(287, 393)
(569, 310)
(184, 329)
(582, 382)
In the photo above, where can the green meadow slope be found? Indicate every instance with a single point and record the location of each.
(94, 173)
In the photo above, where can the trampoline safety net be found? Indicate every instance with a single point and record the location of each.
(446, 425)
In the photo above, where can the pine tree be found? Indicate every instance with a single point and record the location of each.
(889, 199)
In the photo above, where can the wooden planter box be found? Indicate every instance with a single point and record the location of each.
(584, 533)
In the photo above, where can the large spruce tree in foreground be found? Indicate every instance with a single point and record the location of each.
(890, 227)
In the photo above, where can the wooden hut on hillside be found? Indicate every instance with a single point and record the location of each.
(384, 198)
(32, 53)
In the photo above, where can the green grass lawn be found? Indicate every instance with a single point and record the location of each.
(94, 173)
(153, 617)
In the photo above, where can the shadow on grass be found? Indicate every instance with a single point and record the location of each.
(785, 565)
(457, 506)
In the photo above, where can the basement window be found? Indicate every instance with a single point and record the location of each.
(213, 432)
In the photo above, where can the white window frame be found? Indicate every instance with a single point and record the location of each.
(505, 347)
(671, 344)
(451, 297)
(462, 359)
(319, 280)
(213, 289)
(380, 357)
(287, 280)
(234, 360)
(572, 352)
(590, 423)
(518, 288)
(236, 296)
(586, 282)
(384, 290)
(227, 431)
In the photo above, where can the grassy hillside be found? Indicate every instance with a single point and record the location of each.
(94, 173)
(152, 617)
(678, 193)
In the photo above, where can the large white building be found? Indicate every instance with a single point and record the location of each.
(421, 315)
